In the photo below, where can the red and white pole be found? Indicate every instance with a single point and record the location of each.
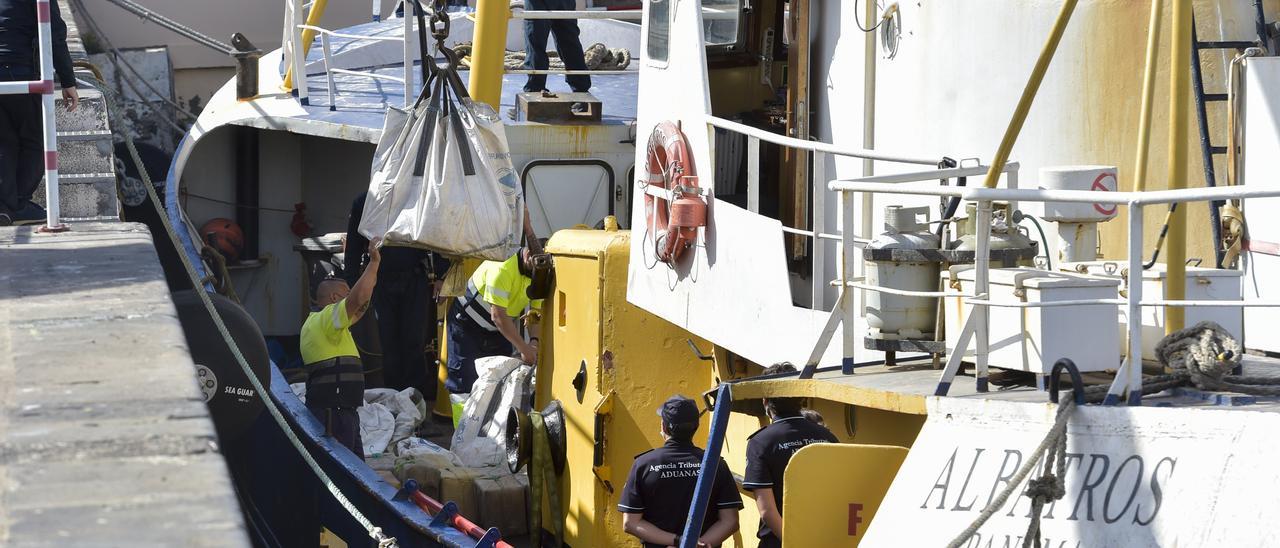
(46, 88)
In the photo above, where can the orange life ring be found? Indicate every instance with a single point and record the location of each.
(669, 165)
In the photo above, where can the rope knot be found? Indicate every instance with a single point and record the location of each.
(1046, 488)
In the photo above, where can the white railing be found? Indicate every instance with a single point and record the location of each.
(48, 116)
(295, 52)
(1129, 377)
(818, 152)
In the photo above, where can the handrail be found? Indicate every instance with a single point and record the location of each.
(1045, 195)
(1129, 377)
(45, 88)
(323, 30)
(815, 146)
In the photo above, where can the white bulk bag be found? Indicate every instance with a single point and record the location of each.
(442, 177)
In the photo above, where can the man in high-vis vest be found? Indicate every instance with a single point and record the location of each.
(482, 322)
(335, 378)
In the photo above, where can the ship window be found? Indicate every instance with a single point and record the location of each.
(721, 20)
(659, 30)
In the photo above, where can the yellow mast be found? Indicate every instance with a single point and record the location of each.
(1179, 103)
(488, 51)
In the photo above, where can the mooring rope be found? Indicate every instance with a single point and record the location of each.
(374, 532)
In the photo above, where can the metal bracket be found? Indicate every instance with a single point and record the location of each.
(490, 538)
(698, 353)
(406, 491)
(444, 518)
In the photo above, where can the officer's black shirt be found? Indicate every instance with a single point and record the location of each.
(661, 483)
(768, 452)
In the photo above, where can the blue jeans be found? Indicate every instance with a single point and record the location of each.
(467, 341)
(567, 43)
(21, 141)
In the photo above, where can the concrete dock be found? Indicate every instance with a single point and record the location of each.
(105, 438)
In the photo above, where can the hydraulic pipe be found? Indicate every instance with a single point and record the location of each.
(313, 20)
(1179, 103)
(1029, 94)
(489, 50)
(1148, 92)
(432, 507)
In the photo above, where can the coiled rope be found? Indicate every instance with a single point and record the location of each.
(376, 533)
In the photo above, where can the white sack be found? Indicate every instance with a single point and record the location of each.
(442, 178)
(376, 426)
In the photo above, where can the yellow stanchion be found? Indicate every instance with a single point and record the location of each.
(1175, 286)
(313, 19)
(490, 47)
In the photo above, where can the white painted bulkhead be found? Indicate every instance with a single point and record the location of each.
(949, 91)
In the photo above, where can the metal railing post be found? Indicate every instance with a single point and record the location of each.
(50, 118)
(409, 11)
(849, 266)
(819, 274)
(328, 73)
(753, 174)
(982, 265)
(377, 13)
(1135, 305)
(299, 55)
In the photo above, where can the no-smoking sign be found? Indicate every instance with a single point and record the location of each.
(1098, 184)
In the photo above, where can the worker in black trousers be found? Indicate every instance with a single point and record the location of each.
(21, 127)
(404, 303)
(567, 43)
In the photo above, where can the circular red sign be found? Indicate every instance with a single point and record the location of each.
(1097, 185)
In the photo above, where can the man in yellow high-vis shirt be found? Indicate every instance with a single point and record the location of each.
(335, 381)
(482, 322)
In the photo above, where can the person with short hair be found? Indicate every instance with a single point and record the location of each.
(335, 377)
(769, 450)
(813, 416)
(655, 500)
(22, 154)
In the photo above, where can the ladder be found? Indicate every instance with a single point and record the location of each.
(1207, 149)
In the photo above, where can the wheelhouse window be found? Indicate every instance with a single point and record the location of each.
(721, 22)
(659, 25)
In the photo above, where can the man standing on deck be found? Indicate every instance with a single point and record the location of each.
(22, 158)
(335, 378)
(482, 322)
(567, 44)
(404, 306)
(655, 501)
(768, 452)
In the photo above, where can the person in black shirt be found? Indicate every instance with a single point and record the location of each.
(768, 452)
(404, 304)
(22, 156)
(655, 501)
